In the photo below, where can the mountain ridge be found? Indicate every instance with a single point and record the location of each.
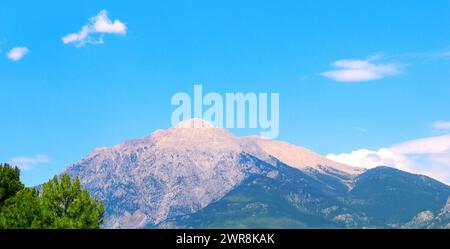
(185, 169)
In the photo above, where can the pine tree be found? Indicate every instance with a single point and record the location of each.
(9, 182)
(66, 205)
(62, 203)
(22, 210)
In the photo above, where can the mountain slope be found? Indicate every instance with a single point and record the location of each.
(382, 197)
(147, 180)
(195, 170)
(299, 157)
(390, 196)
(430, 219)
(289, 198)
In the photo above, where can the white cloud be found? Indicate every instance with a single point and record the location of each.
(17, 53)
(27, 163)
(93, 32)
(365, 158)
(428, 156)
(102, 24)
(441, 125)
(429, 145)
(361, 70)
(440, 158)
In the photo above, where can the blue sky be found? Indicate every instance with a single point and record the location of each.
(354, 77)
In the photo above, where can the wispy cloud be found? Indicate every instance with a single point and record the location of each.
(357, 70)
(428, 145)
(428, 156)
(27, 163)
(441, 125)
(94, 31)
(440, 54)
(303, 78)
(372, 68)
(17, 53)
(360, 129)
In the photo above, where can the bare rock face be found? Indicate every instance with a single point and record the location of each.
(421, 220)
(443, 217)
(299, 157)
(181, 170)
(428, 219)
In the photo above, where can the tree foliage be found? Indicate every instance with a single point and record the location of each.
(22, 210)
(9, 182)
(61, 203)
(66, 205)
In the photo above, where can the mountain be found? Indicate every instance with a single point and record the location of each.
(430, 219)
(196, 175)
(381, 197)
(390, 196)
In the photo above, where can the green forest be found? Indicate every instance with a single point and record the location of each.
(59, 203)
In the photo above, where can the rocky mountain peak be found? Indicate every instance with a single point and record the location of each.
(195, 123)
(182, 169)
